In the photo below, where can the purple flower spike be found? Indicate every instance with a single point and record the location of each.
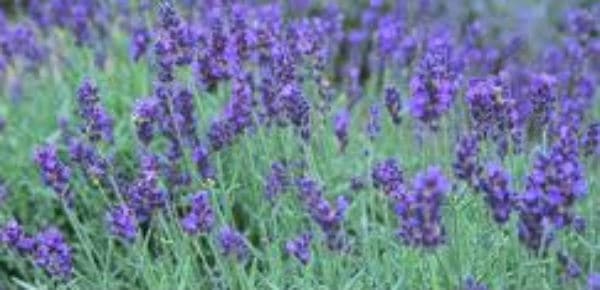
(341, 125)
(220, 134)
(495, 183)
(14, 237)
(277, 181)
(373, 127)
(201, 217)
(591, 140)
(54, 173)
(233, 243)
(53, 254)
(140, 40)
(420, 210)
(144, 195)
(433, 86)
(299, 247)
(98, 124)
(466, 166)
(122, 222)
(329, 218)
(145, 114)
(388, 176)
(393, 104)
(485, 104)
(201, 157)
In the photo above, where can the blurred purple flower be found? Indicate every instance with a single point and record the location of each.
(393, 104)
(122, 222)
(201, 218)
(341, 126)
(471, 284)
(53, 254)
(593, 281)
(466, 166)
(277, 181)
(373, 127)
(233, 243)
(14, 237)
(299, 247)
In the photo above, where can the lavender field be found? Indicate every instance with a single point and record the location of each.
(247, 144)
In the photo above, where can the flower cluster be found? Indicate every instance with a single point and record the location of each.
(433, 85)
(140, 40)
(122, 222)
(84, 154)
(48, 249)
(341, 124)
(328, 217)
(393, 104)
(97, 123)
(146, 113)
(201, 157)
(54, 173)
(277, 181)
(373, 127)
(388, 176)
(486, 104)
(555, 182)
(299, 247)
(420, 210)
(144, 195)
(591, 140)
(14, 237)
(233, 243)
(495, 182)
(201, 217)
(53, 254)
(466, 166)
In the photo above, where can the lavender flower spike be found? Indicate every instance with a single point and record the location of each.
(299, 247)
(54, 173)
(201, 217)
(233, 243)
